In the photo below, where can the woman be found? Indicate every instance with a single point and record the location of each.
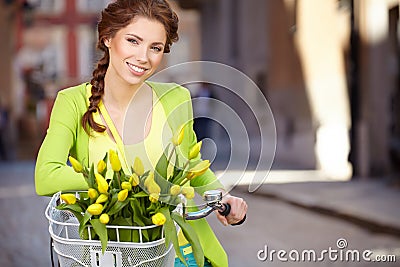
(87, 120)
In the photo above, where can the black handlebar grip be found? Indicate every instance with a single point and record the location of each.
(228, 210)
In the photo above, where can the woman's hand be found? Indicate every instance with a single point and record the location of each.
(238, 210)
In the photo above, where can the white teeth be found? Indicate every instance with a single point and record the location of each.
(137, 69)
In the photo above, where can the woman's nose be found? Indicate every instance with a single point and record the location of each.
(142, 55)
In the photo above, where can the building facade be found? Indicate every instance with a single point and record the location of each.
(332, 80)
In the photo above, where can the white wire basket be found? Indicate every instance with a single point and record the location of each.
(72, 251)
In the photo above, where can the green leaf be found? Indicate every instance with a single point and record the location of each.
(139, 219)
(124, 234)
(191, 236)
(155, 233)
(137, 213)
(82, 223)
(162, 182)
(177, 168)
(85, 233)
(177, 177)
(117, 207)
(91, 177)
(105, 169)
(115, 182)
(101, 231)
(74, 208)
(140, 194)
(162, 164)
(170, 233)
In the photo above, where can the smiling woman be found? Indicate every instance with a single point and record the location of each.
(135, 52)
(90, 119)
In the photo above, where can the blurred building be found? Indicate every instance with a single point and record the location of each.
(50, 46)
(329, 69)
(332, 80)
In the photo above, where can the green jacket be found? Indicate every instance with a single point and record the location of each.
(65, 136)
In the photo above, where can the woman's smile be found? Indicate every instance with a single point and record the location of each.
(136, 70)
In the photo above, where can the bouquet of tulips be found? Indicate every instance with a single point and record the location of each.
(138, 198)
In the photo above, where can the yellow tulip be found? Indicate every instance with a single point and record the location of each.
(126, 185)
(153, 197)
(104, 218)
(149, 179)
(188, 192)
(92, 193)
(153, 187)
(134, 180)
(122, 195)
(102, 198)
(175, 190)
(194, 152)
(114, 160)
(158, 218)
(95, 209)
(138, 167)
(198, 170)
(76, 165)
(102, 184)
(178, 136)
(101, 166)
(68, 198)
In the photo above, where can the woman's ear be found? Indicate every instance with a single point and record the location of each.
(107, 42)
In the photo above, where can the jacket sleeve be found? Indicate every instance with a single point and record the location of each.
(52, 174)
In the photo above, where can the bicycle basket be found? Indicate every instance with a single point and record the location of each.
(74, 251)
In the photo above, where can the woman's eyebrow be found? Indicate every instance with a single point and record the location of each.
(136, 36)
(141, 39)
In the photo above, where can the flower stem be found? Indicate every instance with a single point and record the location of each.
(119, 179)
(184, 181)
(171, 153)
(186, 164)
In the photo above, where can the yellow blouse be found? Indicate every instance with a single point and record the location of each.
(149, 150)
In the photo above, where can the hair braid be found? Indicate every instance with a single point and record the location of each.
(97, 91)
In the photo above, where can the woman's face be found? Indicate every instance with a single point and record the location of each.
(136, 51)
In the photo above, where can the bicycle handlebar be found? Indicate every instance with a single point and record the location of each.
(227, 210)
(213, 199)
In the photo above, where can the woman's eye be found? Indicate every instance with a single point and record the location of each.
(133, 41)
(157, 49)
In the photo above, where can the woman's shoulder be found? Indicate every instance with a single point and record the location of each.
(75, 94)
(74, 91)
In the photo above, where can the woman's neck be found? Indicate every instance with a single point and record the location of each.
(118, 93)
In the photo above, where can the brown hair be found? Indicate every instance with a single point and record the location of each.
(114, 17)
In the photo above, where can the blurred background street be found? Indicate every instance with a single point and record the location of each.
(320, 108)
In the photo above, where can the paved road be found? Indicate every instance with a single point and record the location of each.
(23, 227)
(271, 222)
(281, 226)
